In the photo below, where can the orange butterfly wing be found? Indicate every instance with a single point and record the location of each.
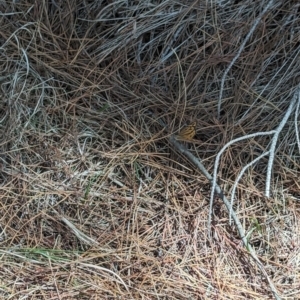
(187, 132)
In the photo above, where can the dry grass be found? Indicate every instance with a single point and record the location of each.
(95, 203)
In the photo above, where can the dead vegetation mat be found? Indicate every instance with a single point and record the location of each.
(95, 202)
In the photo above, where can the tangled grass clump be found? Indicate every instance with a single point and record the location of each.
(96, 202)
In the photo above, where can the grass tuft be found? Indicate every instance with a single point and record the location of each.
(95, 202)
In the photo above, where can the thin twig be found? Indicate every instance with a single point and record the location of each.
(236, 182)
(296, 97)
(182, 149)
(296, 125)
(80, 235)
(239, 53)
(214, 179)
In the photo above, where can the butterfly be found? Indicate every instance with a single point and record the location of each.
(187, 132)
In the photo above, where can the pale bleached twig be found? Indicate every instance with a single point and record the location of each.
(239, 53)
(214, 179)
(236, 182)
(182, 149)
(80, 235)
(296, 125)
(275, 139)
(79, 264)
